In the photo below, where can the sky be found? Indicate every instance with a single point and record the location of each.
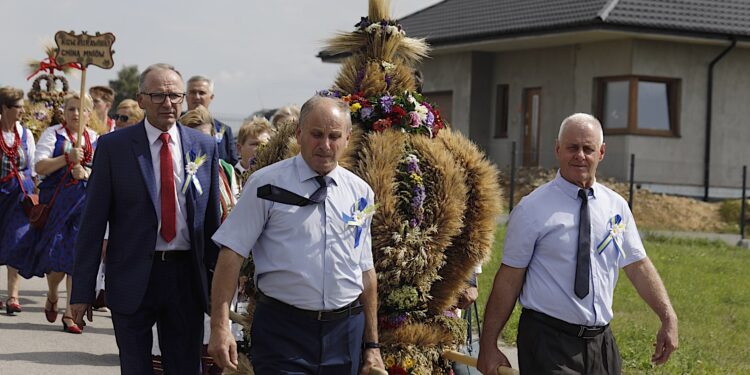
(261, 54)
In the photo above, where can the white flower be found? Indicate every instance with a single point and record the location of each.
(388, 67)
(421, 111)
(373, 28)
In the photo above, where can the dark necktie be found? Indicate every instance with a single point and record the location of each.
(584, 247)
(281, 195)
(168, 204)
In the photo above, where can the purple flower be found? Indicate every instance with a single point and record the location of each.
(387, 103)
(387, 81)
(430, 119)
(413, 222)
(365, 113)
(414, 116)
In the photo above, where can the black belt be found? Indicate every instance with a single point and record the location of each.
(584, 332)
(353, 308)
(171, 256)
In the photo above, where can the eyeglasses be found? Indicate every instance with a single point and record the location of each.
(123, 118)
(160, 97)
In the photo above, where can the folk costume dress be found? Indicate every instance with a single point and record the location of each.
(16, 171)
(51, 249)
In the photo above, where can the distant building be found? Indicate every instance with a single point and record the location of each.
(511, 70)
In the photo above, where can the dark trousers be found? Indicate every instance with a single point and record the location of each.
(286, 343)
(173, 304)
(544, 349)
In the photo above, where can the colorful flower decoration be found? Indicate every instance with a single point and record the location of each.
(408, 111)
(390, 27)
(418, 195)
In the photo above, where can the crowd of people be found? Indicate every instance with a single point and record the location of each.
(45, 186)
(172, 258)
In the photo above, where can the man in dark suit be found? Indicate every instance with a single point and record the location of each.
(156, 183)
(200, 91)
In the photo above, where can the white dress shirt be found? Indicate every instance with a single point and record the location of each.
(304, 256)
(182, 239)
(542, 235)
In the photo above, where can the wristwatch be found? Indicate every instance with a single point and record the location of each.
(370, 345)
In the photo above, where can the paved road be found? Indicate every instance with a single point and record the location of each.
(31, 345)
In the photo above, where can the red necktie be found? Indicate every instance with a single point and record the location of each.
(168, 197)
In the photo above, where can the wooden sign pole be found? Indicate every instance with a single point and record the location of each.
(81, 126)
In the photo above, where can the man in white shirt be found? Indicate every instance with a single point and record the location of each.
(313, 268)
(565, 244)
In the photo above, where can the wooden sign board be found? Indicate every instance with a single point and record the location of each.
(85, 49)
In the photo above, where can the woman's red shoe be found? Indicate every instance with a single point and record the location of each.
(72, 327)
(51, 312)
(11, 308)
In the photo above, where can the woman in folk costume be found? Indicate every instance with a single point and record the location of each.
(437, 194)
(65, 166)
(16, 182)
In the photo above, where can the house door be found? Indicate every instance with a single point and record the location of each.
(532, 98)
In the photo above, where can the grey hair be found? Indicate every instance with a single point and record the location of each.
(317, 101)
(581, 118)
(209, 81)
(153, 67)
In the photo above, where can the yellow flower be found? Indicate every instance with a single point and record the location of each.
(416, 178)
(355, 107)
(389, 361)
(408, 363)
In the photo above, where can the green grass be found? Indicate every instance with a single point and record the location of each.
(709, 285)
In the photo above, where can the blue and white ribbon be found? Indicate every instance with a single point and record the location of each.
(616, 230)
(360, 212)
(191, 168)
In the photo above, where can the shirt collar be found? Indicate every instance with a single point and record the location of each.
(569, 188)
(153, 133)
(306, 173)
(239, 167)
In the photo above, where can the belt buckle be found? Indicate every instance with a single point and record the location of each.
(163, 256)
(320, 316)
(581, 331)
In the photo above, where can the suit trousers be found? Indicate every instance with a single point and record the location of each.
(286, 343)
(544, 349)
(174, 305)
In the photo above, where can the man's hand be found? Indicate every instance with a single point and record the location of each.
(222, 348)
(77, 311)
(467, 297)
(666, 342)
(490, 358)
(371, 358)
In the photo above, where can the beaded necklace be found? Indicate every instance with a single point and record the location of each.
(12, 151)
(88, 151)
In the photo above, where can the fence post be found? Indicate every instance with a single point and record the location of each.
(743, 203)
(512, 182)
(632, 182)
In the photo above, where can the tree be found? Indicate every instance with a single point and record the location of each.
(126, 84)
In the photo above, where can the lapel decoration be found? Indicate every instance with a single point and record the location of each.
(193, 161)
(360, 212)
(616, 232)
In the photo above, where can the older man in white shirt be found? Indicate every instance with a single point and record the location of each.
(313, 268)
(564, 246)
